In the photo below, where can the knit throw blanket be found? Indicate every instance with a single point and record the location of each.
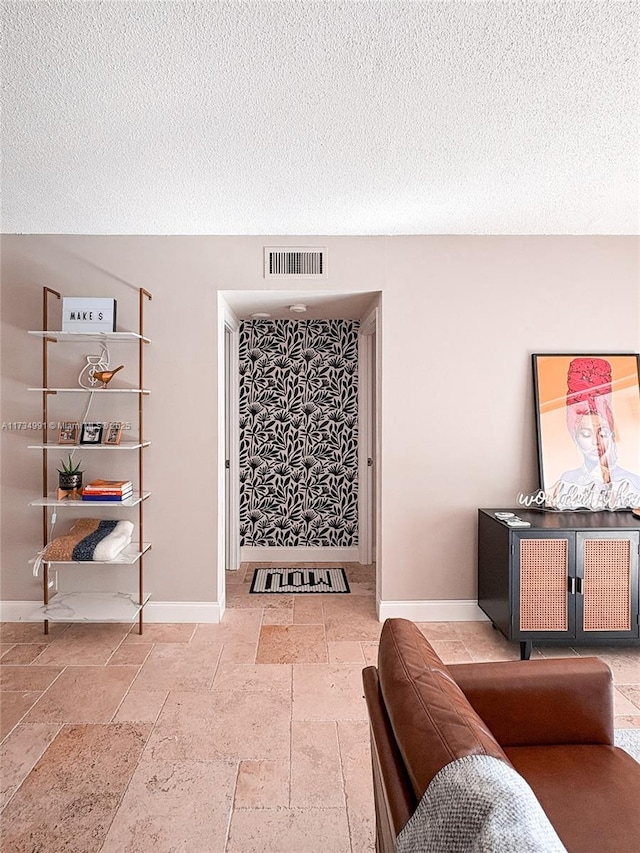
(90, 539)
(479, 804)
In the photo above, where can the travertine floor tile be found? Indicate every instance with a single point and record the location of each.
(27, 677)
(140, 706)
(236, 625)
(174, 805)
(13, 706)
(549, 651)
(23, 653)
(346, 651)
(246, 678)
(291, 644)
(370, 653)
(440, 630)
(628, 722)
(350, 617)
(178, 666)
(237, 576)
(130, 654)
(316, 772)
(623, 660)
(69, 799)
(632, 692)
(262, 785)
(288, 831)
(239, 651)
(452, 651)
(223, 726)
(72, 652)
(307, 610)
(84, 645)
(355, 755)
(478, 630)
(19, 752)
(356, 573)
(162, 632)
(238, 597)
(31, 632)
(237, 635)
(331, 692)
(623, 706)
(367, 588)
(83, 694)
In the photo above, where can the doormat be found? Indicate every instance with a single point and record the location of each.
(299, 580)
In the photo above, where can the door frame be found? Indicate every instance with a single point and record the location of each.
(368, 430)
(229, 443)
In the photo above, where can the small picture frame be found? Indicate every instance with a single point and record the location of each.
(113, 432)
(68, 432)
(91, 433)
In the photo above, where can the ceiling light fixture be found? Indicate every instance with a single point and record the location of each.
(260, 315)
(299, 308)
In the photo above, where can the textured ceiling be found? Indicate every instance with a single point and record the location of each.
(320, 117)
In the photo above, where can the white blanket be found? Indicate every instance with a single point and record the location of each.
(479, 804)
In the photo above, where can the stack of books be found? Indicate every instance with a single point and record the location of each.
(108, 490)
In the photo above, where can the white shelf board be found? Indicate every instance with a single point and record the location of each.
(52, 501)
(92, 390)
(130, 555)
(130, 337)
(126, 444)
(92, 607)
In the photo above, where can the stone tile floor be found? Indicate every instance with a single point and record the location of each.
(245, 737)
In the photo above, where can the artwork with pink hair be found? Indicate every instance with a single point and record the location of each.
(599, 481)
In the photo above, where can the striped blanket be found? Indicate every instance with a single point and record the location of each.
(90, 539)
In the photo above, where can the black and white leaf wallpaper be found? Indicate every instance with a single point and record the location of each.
(299, 432)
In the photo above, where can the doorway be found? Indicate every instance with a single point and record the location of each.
(234, 308)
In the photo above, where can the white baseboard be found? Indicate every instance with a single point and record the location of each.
(456, 610)
(211, 611)
(19, 611)
(183, 611)
(260, 554)
(154, 611)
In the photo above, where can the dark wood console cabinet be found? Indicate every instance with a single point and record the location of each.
(571, 578)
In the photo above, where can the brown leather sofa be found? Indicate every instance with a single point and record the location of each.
(552, 720)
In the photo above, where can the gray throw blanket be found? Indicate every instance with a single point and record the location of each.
(479, 804)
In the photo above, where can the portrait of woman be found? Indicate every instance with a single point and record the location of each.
(589, 431)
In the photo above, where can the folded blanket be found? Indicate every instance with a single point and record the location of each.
(479, 804)
(90, 539)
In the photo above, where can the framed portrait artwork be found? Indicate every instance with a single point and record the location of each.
(91, 433)
(113, 432)
(588, 429)
(68, 432)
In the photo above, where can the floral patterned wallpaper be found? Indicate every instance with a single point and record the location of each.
(299, 433)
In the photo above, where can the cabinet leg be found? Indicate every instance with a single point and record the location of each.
(525, 649)
(46, 626)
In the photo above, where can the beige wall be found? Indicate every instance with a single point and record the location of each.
(460, 317)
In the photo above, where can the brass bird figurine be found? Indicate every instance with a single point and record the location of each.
(105, 376)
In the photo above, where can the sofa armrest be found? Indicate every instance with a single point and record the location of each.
(560, 700)
(394, 799)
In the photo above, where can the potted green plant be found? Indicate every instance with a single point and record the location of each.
(70, 475)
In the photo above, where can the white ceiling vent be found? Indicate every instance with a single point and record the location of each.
(295, 262)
